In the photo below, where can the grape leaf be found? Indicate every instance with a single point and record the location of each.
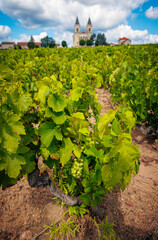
(106, 173)
(11, 129)
(58, 117)
(127, 153)
(76, 94)
(104, 121)
(78, 115)
(47, 131)
(77, 151)
(66, 151)
(12, 164)
(43, 92)
(57, 102)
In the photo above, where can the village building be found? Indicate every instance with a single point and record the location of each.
(124, 41)
(78, 35)
(7, 45)
(38, 44)
(23, 45)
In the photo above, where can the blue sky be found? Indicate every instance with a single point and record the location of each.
(134, 19)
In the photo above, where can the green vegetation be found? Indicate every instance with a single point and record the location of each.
(89, 42)
(65, 230)
(31, 43)
(82, 42)
(105, 230)
(55, 88)
(48, 42)
(64, 44)
(100, 40)
(68, 229)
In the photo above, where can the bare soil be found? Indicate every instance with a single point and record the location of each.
(24, 210)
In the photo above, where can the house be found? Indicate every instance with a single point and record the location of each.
(7, 45)
(78, 35)
(58, 45)
(23, 45)
(124, 41)
(111, 44)
(38, 44)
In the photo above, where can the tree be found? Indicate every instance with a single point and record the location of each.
(82, 42)
(64, 43)
(31, 43)
(48, 42)
(89, 42)
(93, 37)
(100, 39)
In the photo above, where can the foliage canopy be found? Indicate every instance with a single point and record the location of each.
(55, 88)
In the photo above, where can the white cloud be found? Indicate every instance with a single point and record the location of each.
(37, 38)
(5, 32)
(152, 13)
(67, 36)
(137, 36)
(62, 13)
(26, 38)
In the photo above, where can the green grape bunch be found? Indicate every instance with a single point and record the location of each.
(89, 141)
(77, 168)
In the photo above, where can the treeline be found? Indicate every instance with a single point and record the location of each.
(45, 42)
(95, 40)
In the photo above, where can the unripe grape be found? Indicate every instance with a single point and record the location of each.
(77, 167)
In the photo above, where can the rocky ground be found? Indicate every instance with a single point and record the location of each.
(24, 210)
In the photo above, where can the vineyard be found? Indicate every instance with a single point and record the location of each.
(50, 110)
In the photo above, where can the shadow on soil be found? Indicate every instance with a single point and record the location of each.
(111, 208)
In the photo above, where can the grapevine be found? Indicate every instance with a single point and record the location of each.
(47, 100)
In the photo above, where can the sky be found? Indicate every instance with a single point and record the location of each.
(134, 19)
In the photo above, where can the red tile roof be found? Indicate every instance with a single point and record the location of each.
(38, 43)
(124, 38)
(22, 43)
(25, 43)
(8, 42)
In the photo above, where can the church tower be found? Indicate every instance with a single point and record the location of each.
(77, 26)
(89, 27)
(81, 35)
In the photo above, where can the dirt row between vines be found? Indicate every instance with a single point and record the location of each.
(24, 210)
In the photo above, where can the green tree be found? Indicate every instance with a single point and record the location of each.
(31, 43)
(82, 42)
(89, 42)
(48, 42)
(64, 43)
(100, 39)
(93, 37)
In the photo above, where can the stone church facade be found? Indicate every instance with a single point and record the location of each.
(81, 35)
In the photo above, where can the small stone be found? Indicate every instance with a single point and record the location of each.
(26, 235)
(139, 138)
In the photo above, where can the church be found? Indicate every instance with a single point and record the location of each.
(81, 35)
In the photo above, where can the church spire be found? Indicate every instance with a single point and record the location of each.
(89, 21)
(77, 21)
